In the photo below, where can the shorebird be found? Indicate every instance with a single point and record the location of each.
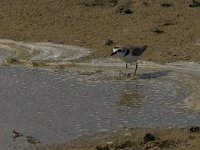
(32, 140)
(16, 134)
(129, 54)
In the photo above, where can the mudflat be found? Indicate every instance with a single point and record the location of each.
(135, 139)
(170, 28)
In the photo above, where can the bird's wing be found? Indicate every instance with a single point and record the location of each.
(136, 51)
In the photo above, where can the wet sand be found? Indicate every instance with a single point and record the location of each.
(134, 138)
(172, 33)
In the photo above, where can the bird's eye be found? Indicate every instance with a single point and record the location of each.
(119, 50)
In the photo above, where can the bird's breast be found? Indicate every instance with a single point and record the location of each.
(129, 58)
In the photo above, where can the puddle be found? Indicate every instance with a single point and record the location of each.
(62, 104)
(47, 104)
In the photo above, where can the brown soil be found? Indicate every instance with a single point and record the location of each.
(171, 28)
(134, 139)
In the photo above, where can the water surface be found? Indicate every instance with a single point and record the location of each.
(58, 106)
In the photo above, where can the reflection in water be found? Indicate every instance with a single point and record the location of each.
(129, 98)
(193, 100)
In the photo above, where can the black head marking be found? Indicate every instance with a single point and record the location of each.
(119, 50)
(127, 52)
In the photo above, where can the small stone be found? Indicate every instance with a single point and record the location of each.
(195, 3)
(145, 3)
(194, 129)
(168, 24)
(108, 42)
(32, 140)
(12, 60)
(123, 9)
(16, 134)
(109, 142)
(166, 5)
(55, 42)
(149, 137)
(99, 2)
(102, 148)
(158, 31)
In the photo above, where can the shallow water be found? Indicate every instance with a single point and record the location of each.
(55, 107)
(62, 104)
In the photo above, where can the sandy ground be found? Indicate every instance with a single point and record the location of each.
(135, 139)
(171, 31)
(171, 28)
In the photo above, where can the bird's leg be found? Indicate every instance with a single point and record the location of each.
(136, 66)
(126, 68)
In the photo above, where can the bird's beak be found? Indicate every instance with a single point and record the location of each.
(113, 53)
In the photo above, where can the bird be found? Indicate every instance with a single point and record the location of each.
(16, 134)
(129, 54)
(32, 140)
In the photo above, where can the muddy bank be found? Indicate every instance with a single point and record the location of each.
(135, 138)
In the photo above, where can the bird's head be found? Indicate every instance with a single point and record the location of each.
(118, 50)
